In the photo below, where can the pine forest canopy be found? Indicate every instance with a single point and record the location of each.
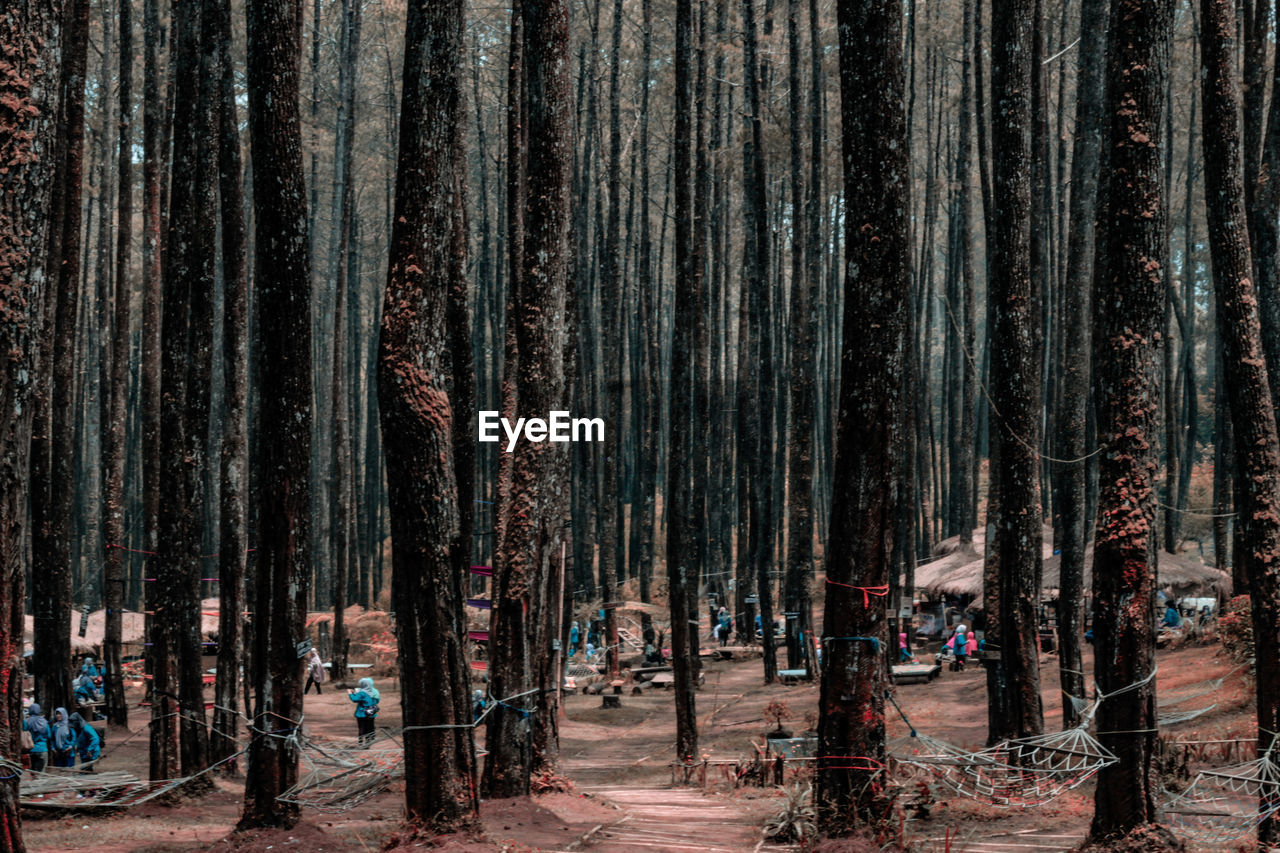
(489, 316)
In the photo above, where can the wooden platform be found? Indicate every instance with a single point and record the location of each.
(912, 673)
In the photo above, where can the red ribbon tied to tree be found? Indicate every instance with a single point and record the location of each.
(867, 591)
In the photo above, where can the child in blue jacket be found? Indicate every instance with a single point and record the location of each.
(366, 698)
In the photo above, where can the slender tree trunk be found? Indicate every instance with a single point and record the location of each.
(232, 538)
(1072, 411)
(282, 286)
(869, 434)
(1264, 202)
(682, 529)
(164, 723)
(115, 448)
(755, 281)
(611, 541)
(1245, 366)
(53, 477)
(343, 205)
(1015, 368)
(1127, 371)
(30, 35)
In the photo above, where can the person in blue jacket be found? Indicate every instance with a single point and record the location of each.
(38, 727)
(62, 742)
(85, 692)
(88, 747)
(366, 697)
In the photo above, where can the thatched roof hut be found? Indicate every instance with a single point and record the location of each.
(957, 569)
(132, 630)
(1183, 573)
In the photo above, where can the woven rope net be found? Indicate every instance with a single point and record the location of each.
(1228, 803)
(1016, 773)
(335, 777)
(71, 790)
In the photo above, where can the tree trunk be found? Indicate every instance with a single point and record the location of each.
(188, 302)
(416, 422)
(282, 456)
(682, 529)
(232, 538)
(343, 205)
(869, 437)
(1264, 204)
(799, 566)
(1258, 459)
(164, 724)
(1015, 368)
(115, 449)
(53, 478)
(1072, 410)
(1127, 372)
(29, 34)
(523, 568)
(611, 389)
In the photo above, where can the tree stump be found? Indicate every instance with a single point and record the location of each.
(611, 700)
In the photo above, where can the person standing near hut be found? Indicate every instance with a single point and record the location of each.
(38, 727)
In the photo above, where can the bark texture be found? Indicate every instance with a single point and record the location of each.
(282, 289)
(1244, 365)
(30, 49)
(1128, 317)
(1015, 369)
(533, 513)
(417, 423)
(1072, 413)
(869, 432)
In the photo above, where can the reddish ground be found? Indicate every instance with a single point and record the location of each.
(632, 746)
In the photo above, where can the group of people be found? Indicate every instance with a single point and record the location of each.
(962, 644)
(60, 741)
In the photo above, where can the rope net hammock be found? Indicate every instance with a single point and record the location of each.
(1228, 803)
(1166, 702)
(335, 777)
(1018, 773)
(1015, 773)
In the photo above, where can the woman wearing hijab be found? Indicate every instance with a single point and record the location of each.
(366, 699)
(87, 744)
(62, 742)
(38, 727)
(315, 673)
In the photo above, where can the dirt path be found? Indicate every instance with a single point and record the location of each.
(622, 756)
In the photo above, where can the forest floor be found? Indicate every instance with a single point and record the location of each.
(618, 760)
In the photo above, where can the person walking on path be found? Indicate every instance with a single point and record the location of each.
(366, 697)
(316, 673)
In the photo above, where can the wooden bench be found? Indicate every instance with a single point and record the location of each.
(913, 673)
